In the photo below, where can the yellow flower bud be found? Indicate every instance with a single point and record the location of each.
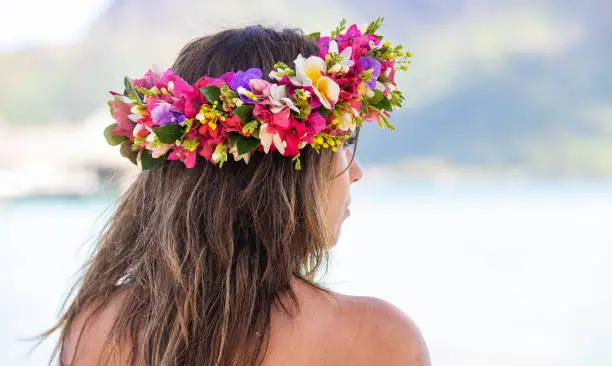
(326, 145)
(405, 67)
(387, 44)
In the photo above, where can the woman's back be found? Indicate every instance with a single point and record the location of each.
(330, 329)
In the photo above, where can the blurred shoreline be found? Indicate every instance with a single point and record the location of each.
(75, 160)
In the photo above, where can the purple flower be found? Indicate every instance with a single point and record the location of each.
(242, 78)
(163, 115)
(368, 62)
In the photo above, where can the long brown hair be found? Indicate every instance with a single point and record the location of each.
(203, 254)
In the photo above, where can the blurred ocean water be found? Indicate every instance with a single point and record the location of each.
(493, 273)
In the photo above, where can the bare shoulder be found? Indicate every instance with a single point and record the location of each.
(89, 331)
(381, 333)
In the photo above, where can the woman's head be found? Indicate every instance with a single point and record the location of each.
(259, 47)
(205, 252)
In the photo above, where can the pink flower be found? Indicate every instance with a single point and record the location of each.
(260, 88)
(352, 32)
(148, 81)
(190, 108)
(176, 85)
(263, 114)
(388, 69)
(227, 77)
(315, 123)
(323, 44)
(291, 87)
(372, 115)
(122, 111)
(280, 120)
(187, 157)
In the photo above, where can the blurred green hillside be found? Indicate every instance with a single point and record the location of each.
(493, 84)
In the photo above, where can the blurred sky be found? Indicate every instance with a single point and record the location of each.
(26, 23)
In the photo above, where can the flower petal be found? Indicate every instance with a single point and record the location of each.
(314, 67)
(265, 137)
(328, 88)
(333, 47)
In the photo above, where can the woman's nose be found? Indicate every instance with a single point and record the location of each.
(355, 172)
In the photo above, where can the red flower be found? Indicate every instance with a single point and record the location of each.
(349, 86)
(206, 149)
(293, 137)
(233, 124)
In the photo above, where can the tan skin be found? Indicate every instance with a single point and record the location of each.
(330, 329)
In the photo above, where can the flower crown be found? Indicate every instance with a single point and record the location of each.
(319, 103)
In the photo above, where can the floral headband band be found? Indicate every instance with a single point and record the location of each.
(319, 103)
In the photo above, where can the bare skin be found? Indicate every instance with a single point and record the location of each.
(330, 329)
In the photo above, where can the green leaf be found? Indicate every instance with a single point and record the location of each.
(374, 26)
(385, 104)
(297, 162)
(324, 112)
(169, 133)
(111, 108)
(247, 144)
(244, 112)
(233, 139)
(148, 162)
(127, 152)
(315, 36)
(365, 107)
(302, 115)
(112, 139)
(211, 93)
(339, 29)
(255, 133)
(389, 125)
(377, 98)
(130, 91)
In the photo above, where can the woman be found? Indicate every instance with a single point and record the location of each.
(209, 261)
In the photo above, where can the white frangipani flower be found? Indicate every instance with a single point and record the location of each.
(269, 136)
(310, 72)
